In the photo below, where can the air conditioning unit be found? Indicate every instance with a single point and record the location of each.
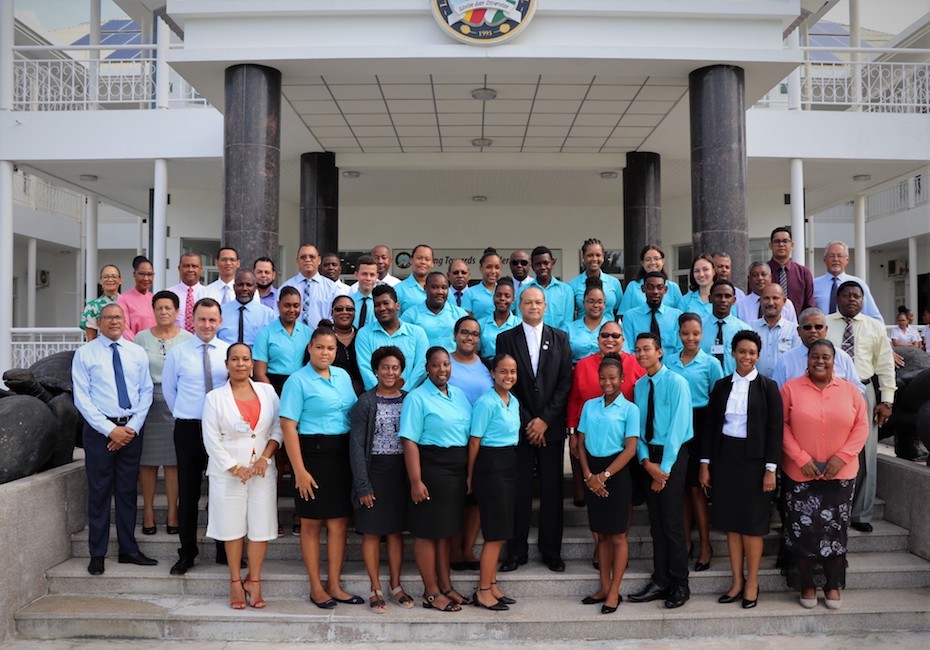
(896, 269)
(43, 279)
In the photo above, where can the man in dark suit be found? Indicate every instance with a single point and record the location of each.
(544, 377)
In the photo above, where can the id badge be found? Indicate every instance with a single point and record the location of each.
(784, 345)
(242, 427)
(716, 348)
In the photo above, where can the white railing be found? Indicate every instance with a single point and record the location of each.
(30, 344)
(890, 200)
(842, 213)
(80, 84)
(41, 195)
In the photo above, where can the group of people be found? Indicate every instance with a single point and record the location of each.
(431, 406)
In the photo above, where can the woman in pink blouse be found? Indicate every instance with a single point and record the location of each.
(137, 302)
(826, 426)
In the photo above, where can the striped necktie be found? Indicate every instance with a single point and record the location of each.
(783, 279)
(849, 338)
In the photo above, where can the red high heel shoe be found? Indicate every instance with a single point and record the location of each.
(255, 604)
(236, 604)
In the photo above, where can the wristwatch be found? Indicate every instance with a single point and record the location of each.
(606, 474)
(570, 430)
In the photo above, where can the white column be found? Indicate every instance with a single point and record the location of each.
(31, 256)
(160, 223)
(855, 41)
(162, 71)
(140, 237)
(794, 79)
(797, 211)
(861, 254)
(912, 274)
(93, 77)
(90, 248)
(6, 191)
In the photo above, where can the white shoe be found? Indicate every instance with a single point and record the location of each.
(833, 604)
(808, 603)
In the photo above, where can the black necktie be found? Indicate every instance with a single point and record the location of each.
(761, 313)
(122, 394)
(363, 315)
(650, 412)
(458, 298)
(719, 340)
(241, 323)
(654, 324)
(836, 282)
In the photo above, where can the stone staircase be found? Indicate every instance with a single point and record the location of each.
(887, 589)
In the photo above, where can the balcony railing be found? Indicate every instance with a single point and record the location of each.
(35, 343)
(903, 195)
(41, 195)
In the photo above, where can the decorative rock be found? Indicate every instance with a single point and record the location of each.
(28, 431)
(54, 372)
(68, 432)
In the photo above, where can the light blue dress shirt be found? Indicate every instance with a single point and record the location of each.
(438, 327)
(318, 405)
(702, 372)
(409, 293)
(823, 285)
(322, 292)
(478, 300)
(606, 427)
(412, 341)
(182, 380)
(633, 296)
(270, 300)
(255, 318)
(775, 342)
(94, 382)
(496, 424)
(613, 293)
(357, 298)
(793, 364)
(428, 417)
(283, 352)
(582, 340)
(673, 424)
(731, 325)
(473, 379)
(490, 330)
(691, 303)
(639, 320)
(560, 302)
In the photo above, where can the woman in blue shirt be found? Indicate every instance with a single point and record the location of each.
(501, 320)
(492, 458)
(651, 258)
(609, 432)
(592, 256)
(702, 371)
(315, 405)
(702, 277)
(582, 333)
(479, 299)
(434, 424)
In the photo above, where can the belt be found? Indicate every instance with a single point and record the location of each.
(120, 422)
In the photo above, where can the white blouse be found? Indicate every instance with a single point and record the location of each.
(735, 419)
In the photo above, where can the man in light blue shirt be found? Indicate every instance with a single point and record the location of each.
(721, 325)
(723, 266)
(411, 291)
(654, 316)
(778, 334)
(437, 316)
(560, 299)
(389, 330)
(836, 259)
(113, 392)
(265, 275)
(316, 291)
(246, 316)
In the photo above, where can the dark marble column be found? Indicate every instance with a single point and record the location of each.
(718, 164)
(642, 208)
(319, 201)
(252, 161)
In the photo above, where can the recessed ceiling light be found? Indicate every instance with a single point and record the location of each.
(484, 94)
(607, 176)
(89, 178)
(482, 142)
(351, 174)
(479, 198)
(862, 178)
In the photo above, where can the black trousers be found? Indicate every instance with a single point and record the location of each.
(549, 460)
(192, 462)
(666, 525)
(111, 474)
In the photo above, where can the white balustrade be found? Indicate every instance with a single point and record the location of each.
(32, 344)
(39, 194)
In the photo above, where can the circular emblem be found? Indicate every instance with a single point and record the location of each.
(483, 22)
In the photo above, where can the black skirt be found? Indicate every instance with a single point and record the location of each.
(277, 382)
(694, 459)
(494, 483)
(739, 504)
(609, 515)
(442, 470)
(326, 457)
(388, 515)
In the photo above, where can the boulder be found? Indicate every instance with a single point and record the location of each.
(54, 372)
(28, 435)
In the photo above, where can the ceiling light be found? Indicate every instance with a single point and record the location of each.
(484, 94)
(608, 176)
(351, 174)
(479, 198)
(862, 178)
(482, 142)
(89, 178)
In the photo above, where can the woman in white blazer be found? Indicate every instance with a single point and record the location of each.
(241, 432)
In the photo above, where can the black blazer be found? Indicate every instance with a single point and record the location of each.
(765, 420)
(546, 394)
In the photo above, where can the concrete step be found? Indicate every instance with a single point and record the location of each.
(577, 543)
(287, 578)
(539, 619)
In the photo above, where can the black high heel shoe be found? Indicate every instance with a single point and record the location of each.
(704, 566)
(496, 607)
(505, 599)
(726, 599)
(749, 604)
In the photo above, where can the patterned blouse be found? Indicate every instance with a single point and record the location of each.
(386, 442)
(92, 311)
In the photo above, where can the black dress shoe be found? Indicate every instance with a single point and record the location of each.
(511, 564)
(326, 604)
(727, 599)
(862, 526)
(651, 592)
(136, 558)
(172, 530)
(607, 609)
(149, 530)
(677, 597)
(555, 564)
(181, 566)
(351, 600)
(749, 604)
(95, 568)
(591, 600)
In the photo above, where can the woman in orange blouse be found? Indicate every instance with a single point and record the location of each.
(826, 426)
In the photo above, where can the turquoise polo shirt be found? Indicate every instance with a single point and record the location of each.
(283, 352)
(691, 303)
(633, 296)
(731, 325)
(318, 405)
(494, 423)
(560, 302)
(438, 327)
(357, 298)
(409, 293)
(582, 340)
(606, 427)
(428, 417)
(613, 293)
(478, 300)
(490, 330)
(639, 320)
(702, 372)
(673, 424)
(412, 341)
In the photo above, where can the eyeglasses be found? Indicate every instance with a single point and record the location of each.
(652, 259)
(109, 277)
(818, 327)
(783, 242)
(228, 260)
(519, 262)
(145, 275)
(113, 318)
(836, 256)
(308, 257)
(459, 272)
(608, 335)
(473, 335)
(337, 310)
